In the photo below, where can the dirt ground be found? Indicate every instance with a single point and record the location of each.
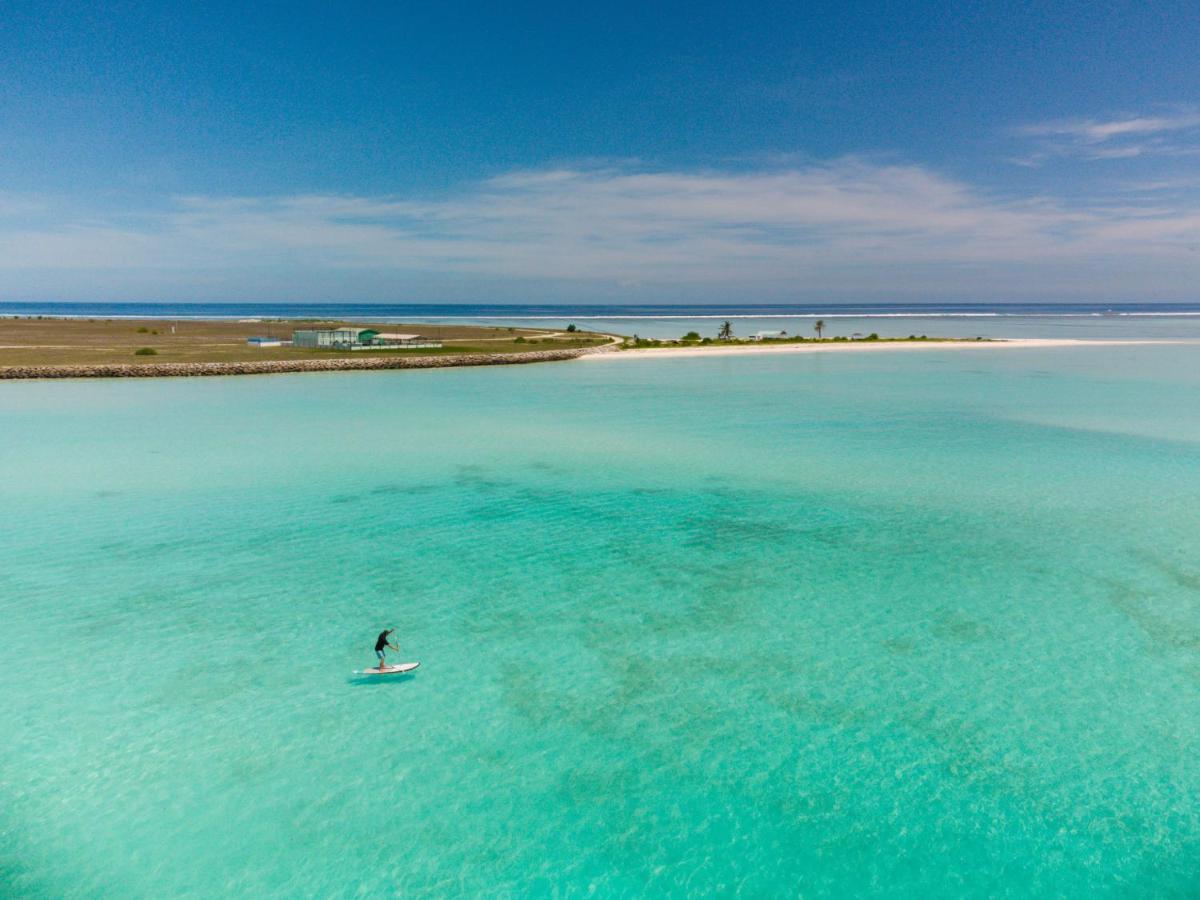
(43, 341)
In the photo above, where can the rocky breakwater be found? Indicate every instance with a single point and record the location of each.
(283, 366)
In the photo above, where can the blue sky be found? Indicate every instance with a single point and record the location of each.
(684, 152)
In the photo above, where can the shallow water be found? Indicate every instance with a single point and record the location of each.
(922, 624)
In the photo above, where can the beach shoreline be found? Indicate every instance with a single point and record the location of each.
(878, 346)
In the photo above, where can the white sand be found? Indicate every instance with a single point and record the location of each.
(872, 347)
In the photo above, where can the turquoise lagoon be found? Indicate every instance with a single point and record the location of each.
(910, 624)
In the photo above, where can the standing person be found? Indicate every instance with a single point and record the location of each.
(381, 643)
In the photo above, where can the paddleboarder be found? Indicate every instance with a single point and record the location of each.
(381, 645)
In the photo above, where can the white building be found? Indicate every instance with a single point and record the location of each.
(359, 339)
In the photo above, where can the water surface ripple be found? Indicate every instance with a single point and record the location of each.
(918, 624)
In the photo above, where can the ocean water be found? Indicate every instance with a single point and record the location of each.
(1078, 321)
(909, 624)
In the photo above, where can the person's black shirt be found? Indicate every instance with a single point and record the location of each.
(382, 642)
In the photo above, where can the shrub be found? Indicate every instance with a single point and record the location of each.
(872, 337)
(706, 341)
(519, 340)
(143, 330)
(145, 351)
(692, 336)
(571, 328)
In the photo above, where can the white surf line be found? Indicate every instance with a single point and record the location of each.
(882, 346)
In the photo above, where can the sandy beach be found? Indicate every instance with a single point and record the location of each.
(871, 347)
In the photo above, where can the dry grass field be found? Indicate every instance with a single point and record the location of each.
(35, 342)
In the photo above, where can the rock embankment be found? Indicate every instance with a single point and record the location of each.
(282, 366)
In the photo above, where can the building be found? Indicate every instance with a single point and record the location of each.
(393, 339)
(359, 339)
(265, 341)
(326, 338)
(768, 335)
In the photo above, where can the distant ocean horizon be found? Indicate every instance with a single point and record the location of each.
(1076, 321)
(448, 311)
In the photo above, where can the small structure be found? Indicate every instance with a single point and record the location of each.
(265, 341)
(359, 339)
(394, 339)
(768, 335)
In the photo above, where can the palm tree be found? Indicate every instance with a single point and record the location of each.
(819, 326)
(725, 333)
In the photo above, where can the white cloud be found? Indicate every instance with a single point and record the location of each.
(1164, 184)
(1165, 135)
(1094, 131)
(848, 225)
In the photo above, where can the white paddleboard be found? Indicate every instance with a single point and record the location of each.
(389, 670)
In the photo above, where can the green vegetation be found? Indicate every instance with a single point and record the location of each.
(692, 336)
(143, 330)
(726, 332)
(637, 343)
(818, 327)
(571, 328)
(145, 351)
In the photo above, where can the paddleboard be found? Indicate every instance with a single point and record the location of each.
(390, 670)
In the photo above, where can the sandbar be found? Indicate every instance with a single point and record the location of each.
(871, 347)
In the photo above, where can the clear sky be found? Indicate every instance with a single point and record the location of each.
(558, 152)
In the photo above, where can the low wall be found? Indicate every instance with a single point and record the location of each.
(281, 366)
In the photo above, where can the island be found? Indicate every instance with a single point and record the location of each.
(63, 347)
(52, 347)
